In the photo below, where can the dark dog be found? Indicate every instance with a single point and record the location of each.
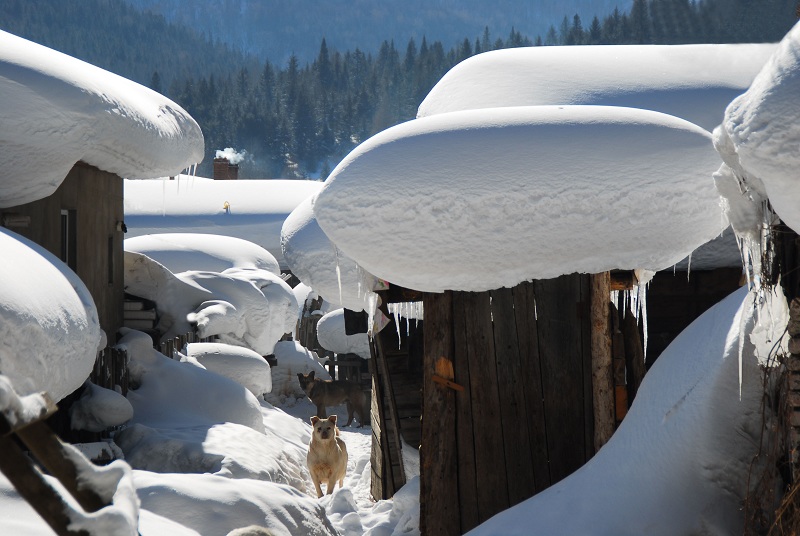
(325, 393)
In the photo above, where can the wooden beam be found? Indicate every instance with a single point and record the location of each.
(439, 489)
(623, 280)
(602, 379)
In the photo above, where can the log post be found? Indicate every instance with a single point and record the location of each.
(602, 379)
(439, 506)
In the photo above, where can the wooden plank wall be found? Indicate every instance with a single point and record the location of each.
(517, 416)
(675, 300)
(96, 197)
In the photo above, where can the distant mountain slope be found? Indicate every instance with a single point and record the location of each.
(274, 29)
(113, 35)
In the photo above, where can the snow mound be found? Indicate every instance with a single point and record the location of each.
(760, 134)
(292, 359)
(253, 210)
(195, 396)
(483, 199)
(244, 307)
(99, 409)
(48, 321)
(180, 252)
(694, 82)
(200, 502)
(680, 461)
(318, 263)
(332, 336)
(58, 110)
(239, 364)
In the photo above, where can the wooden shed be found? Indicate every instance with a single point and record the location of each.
(82, 224)
(517, 388)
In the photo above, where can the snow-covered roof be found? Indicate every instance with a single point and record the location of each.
(484, 199)
(253, 210)
(760, 135)
(695, 82)
(180, 252)
(318, 263)
(58, 110)
(48, 321)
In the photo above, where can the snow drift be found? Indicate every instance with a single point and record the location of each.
(679, 462)
(48, 321)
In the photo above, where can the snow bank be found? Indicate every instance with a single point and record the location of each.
(484, 199)
(293, 358)
(201, 502)
(58, 110)
(680, 461)
(99, 409)
(195, 396)
(331, 336)
(239, 364)
(694, 82)
(180, 252)
(255, 209)
(760, 135)
(244, 307)
(48, 321)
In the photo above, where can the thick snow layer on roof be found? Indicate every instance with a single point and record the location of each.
(58, 110)
(484, 199)
(694, 82)
(318, 263)
(253, 210)
(180, 252)
(682, 460)
(49, 327)
(332, 336)
(760, 135)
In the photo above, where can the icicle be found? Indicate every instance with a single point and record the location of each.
(689, 267)
(339, 276)
(394, 309)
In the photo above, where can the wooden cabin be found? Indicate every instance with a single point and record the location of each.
(82, 224)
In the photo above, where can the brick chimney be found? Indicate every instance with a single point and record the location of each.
(224, 170)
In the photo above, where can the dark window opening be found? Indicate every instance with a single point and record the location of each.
(69, 238)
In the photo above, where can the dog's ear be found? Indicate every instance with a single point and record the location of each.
(310, 375)
(314, 420)
(332, 418)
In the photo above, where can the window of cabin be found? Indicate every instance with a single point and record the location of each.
(69, 238)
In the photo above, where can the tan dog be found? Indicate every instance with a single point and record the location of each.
(327, 454)
(325, 393)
